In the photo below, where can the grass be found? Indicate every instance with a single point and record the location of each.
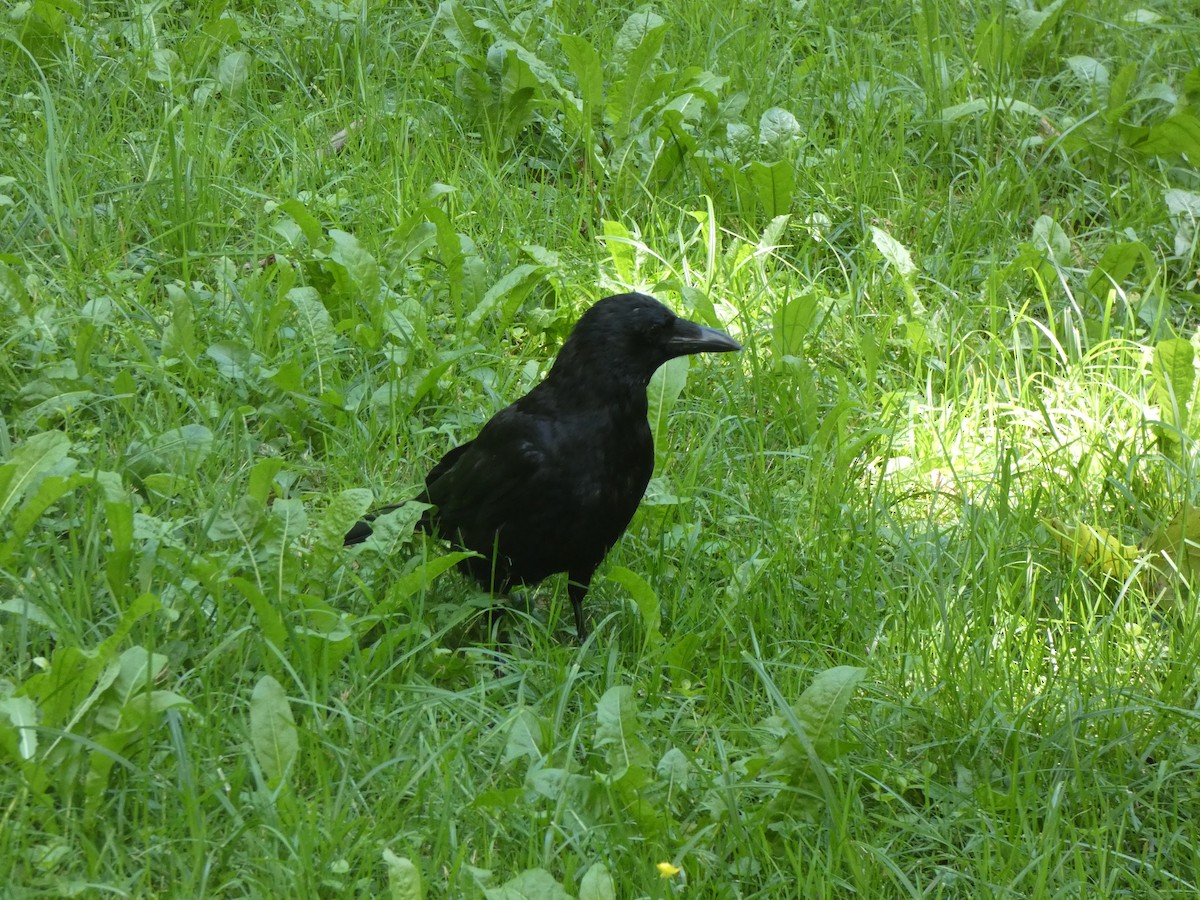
(909, 607)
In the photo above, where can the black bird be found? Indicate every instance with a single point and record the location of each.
(551, 482)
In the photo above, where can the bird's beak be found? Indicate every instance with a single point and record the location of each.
(688, 337)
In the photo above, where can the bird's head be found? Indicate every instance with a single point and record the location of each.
(628, 336)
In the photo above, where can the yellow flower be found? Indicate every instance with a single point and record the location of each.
(666, 870)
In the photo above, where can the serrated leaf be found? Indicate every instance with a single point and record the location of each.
(394, 528)
(637, 29)
(617, 732)
(12, 290)
(118, 509)
(343, 511)
(822, 706)
(273, 735)
(310, 225)
(1174, 552)
(37, 455)
(235, 361)
(894, 252)
(638, 45)
(314, 319)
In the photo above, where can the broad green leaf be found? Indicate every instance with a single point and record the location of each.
(771, 238)
(792, 323)
(1115, 265)
(458, 27)
(621, 249)
(774, 186)
(314, 320)
(270, 623)
(526, 735)
(182, 449)
(778, 129)
(27, 610)
(359, 265)
(290, 518)
(179, 337)
(664, 389)
(33, 458)
(13, 295)
(674, 769)
(638, 28)
(235, 361)
(638, 46)
(505, 295)
(1118, 91)
(1178, 134)
(987, 105)
(1050, 239)
(617, 731)
(138, 670)
(1094, 548)
(597, 884)
(404, 878)
(394, 528)
(1174, 374)
(1174, 552)
(645, 598)
(423, 575)
(48, 492)
(532, 884)
(234, 71)
(21, 712)
(586, 67)
(822, 706)
(894, 252)
(118, 509)
(1038, 23)
(273, 735)
(260, 486)
(343, 511)
(309, 224)
(1090, 71)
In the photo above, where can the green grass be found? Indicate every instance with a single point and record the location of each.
(865, 635)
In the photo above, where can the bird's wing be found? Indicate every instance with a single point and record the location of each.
(479, 485)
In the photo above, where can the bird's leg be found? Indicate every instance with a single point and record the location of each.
(576, 591)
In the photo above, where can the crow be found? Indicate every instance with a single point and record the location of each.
(551, 482)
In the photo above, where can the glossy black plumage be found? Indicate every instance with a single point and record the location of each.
(551, 482)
